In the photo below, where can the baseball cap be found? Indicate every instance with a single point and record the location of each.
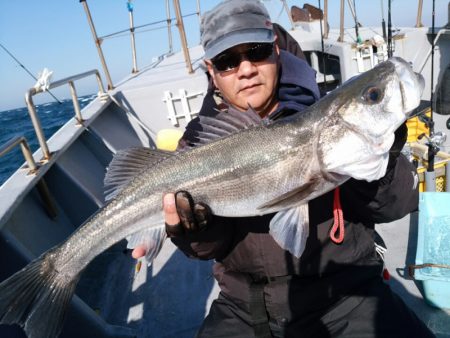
(233, 22)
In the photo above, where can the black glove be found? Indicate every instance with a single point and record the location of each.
(194, 217)
(401, 135)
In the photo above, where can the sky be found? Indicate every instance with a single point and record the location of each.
(55, 34)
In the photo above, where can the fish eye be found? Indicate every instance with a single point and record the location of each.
(372, 95)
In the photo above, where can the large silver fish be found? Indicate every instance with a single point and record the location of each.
(242, 167)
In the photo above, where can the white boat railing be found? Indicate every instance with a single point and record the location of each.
(70, 81)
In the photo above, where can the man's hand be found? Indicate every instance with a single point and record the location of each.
(182, 216)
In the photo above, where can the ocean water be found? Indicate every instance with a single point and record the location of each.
(17, 122)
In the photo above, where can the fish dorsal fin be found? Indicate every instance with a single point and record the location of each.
(127, 164)
(290, 229)
(226, 123)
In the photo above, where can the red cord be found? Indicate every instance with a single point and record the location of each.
(338, 224)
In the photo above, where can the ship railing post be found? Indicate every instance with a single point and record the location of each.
(37, 124)
(169, 27)
(341, 23)
(419, 14)
(180, 26)
(76, 105)
(97, 44)
(133, 43)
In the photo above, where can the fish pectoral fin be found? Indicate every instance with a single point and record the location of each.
(290, 229)
(127, 164)
(291, 198)
(153, 240)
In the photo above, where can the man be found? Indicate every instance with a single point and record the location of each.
(335, 288)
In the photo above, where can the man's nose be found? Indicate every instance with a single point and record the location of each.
(246, 67)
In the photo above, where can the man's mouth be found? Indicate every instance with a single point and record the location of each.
(249, 87)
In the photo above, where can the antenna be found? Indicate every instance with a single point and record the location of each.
(25, 68)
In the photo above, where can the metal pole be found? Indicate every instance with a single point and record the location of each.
(383, 23)
(180, 25)
(358, 38)
(390, 51)
(325, 19)
(26, 151)
(37, 123)
(169, 25)
(286, 8)
(433, 35)
(447, 176)
(323, 54)
(97, 44)
(100, 83)
(419, 14)
(341, 25)
(76, 105)
(133, 43)
(199, 12)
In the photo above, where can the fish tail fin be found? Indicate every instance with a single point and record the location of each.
(37, 298)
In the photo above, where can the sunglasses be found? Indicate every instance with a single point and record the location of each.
(229, 60)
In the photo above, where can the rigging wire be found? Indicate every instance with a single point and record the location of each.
(26, 69)
(124, 32)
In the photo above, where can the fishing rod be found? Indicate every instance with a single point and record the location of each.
(389, 30)
(432, 147)
(383, 23)
(357, 25)
(25, 68)
(323, 52)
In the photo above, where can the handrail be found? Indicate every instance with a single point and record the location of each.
(70, 81)
(41, 185)
(26, 151)
(438, 35)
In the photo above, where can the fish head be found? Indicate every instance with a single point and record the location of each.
(380, 100)
(370, 108)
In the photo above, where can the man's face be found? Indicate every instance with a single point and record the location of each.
(249, 83)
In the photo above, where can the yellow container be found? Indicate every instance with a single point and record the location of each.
(167, 139)
(416, 127)
(439, 168)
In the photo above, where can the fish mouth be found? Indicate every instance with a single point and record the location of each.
(411, 84)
